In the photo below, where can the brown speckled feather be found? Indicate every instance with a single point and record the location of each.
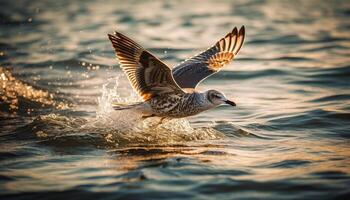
(147, 74)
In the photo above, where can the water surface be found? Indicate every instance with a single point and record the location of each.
(288, 138)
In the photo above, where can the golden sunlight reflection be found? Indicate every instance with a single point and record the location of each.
(266, 165)
(319, 156)
(14, 91)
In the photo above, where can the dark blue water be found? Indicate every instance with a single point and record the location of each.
(288, 138)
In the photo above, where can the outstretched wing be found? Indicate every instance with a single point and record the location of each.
(192, 71)
(147, 74)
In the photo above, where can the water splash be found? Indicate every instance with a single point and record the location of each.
(111, 128)
(111, 94)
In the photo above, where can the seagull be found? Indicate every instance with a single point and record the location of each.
(171, 93)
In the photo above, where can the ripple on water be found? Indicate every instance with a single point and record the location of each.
(287, 138)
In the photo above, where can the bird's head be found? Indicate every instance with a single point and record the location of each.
(217, 98)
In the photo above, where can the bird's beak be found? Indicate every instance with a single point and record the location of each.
(230, 103)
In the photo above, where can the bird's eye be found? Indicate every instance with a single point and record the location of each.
(217, 96)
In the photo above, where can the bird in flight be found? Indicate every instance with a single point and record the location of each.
(170, 93)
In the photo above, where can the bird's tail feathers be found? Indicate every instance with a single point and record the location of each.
(125, 106)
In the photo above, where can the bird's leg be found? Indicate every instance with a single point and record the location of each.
(160, 122)
(153, 115)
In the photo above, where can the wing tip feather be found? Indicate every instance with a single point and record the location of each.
(234, 31)
(240, 39)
